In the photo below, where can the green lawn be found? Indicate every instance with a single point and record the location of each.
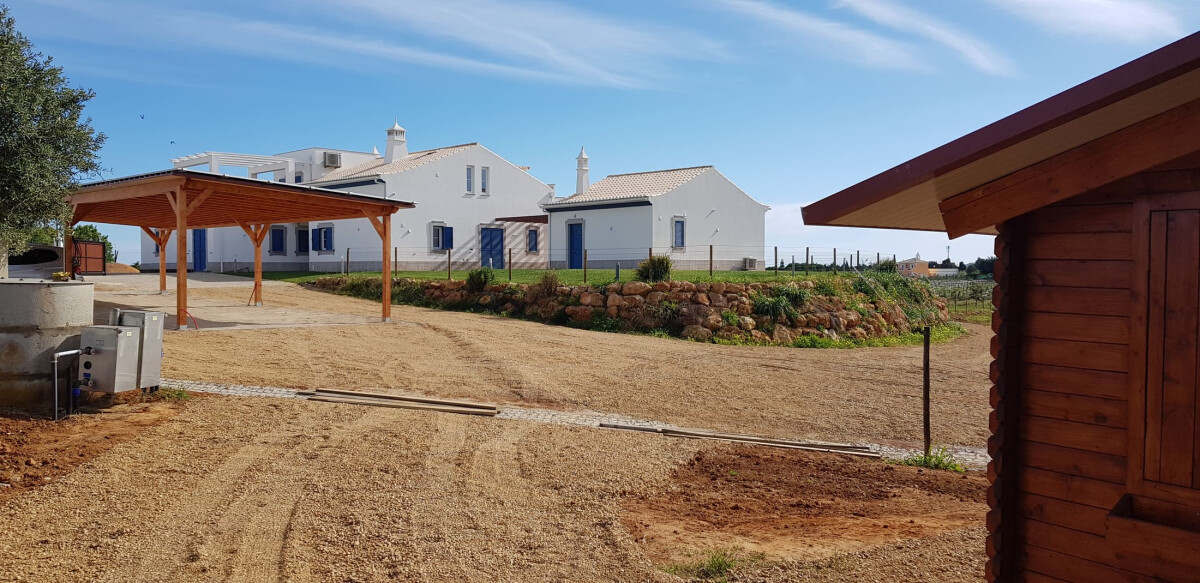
(565, 276)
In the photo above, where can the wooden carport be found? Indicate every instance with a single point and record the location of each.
(173, 201)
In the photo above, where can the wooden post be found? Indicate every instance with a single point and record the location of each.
(347, 261)
(776, 268)
(585, 266)
(259, 235)
(510, 264)
(807, 260)
(877, 256)
(387, 268)
(180, 203)
(835, 259)
(925, 393)
(162, 261)
(710, 260)
(449, 262)
(858, 259)
(650, 253)
(69, 253)
(395, 255)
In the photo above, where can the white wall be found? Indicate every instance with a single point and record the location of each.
(715, 212)
(610, 235)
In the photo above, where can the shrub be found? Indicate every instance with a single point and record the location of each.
(824, 287)
(730, 317)
(885, 266)
(602, 322)
(479, 279)
(866, 287)
(779, 309)
(656, 268)
(796, 295)
(408, 292)
(547, 287)
(937, 460)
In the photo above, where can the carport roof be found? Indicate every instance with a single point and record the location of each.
(218, 200)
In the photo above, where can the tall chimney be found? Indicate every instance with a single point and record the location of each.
(581, 172)
(397, 147)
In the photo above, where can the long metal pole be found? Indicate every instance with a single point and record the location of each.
(925, 393)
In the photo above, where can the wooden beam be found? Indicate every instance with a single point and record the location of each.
(375, 222)
(123, 192)
(179, 202)
(1156, 141)
(204, 194)
(171, 198)
(80, 212)
(385, 234)
(161, 238)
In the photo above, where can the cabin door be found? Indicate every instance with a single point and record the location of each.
(1165, 445)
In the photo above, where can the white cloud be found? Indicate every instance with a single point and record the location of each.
(972, 50)
(1132, 21)
(552, 43)
(837, 39)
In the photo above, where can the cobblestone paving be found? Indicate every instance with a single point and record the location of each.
(975, 458)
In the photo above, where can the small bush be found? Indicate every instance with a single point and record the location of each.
(937, 460)
(479, 279)
(779, 309)
(408, 292)
(730, 317)
(824, 287)
(601, 322)
(717, 565)
(163, 394)
(885, 266)
(656, 268)
(798, 296)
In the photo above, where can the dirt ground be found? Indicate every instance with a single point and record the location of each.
(868, 394)
(255, 489)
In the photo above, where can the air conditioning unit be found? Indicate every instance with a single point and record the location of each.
(749, 264)
(333, 159)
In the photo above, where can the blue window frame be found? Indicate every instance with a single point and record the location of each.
(679, 240)
(322, 239)
(278, 241)
(301, 240)
(531, 241)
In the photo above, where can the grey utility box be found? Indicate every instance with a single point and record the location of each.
(150, 349)
(112, 366)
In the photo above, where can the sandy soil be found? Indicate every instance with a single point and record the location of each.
(870, 394)
(249, 489)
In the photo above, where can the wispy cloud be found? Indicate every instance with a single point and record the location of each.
(974, 51)
(1133, 21)
(543, 42)
(835, 38)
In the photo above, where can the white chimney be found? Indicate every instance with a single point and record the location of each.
(397, 147)
(581, 172)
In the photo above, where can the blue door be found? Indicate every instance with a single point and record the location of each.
(575, 246)
(200, 250)
(491, 248)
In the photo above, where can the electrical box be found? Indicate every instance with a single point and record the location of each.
(109, 363)
(150, 349)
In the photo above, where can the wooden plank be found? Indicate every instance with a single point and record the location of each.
(1075, 381)
(1123, 153)
(1035, 577)
(1094, 548)
(1072, 488)
(405, 405)
(1087, 355)
(1071, 568)
(1078, 300)
(1091, 274)
(1156, 297)
(1179, 348)
(1114, 246)
(1153, 542)
(1051, 510)
(1085, 436)
(1075, 408)
(1096, 466)
(1099, 218)
(1105, 329)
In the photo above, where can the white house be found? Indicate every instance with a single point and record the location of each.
(685, 213)
(466, 197)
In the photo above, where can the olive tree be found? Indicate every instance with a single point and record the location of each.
(46, 144)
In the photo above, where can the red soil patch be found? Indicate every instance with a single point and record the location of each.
(35, 451)
(798, 505)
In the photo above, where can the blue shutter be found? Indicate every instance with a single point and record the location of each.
(328, 238)
(316, 240)
(447, 237)
(277, 240)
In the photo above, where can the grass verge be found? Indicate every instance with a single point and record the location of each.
(936, 460)
(714, 565)
(565, 276)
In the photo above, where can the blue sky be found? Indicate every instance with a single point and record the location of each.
(792, 100)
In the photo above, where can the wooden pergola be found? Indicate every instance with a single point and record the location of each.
(173, 201)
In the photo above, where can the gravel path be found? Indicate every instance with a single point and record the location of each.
(862, 395)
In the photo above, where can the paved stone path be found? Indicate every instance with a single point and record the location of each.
(975, 458)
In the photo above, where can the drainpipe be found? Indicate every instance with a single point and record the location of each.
(54, 363)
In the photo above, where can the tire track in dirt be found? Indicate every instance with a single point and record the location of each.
(491, 367)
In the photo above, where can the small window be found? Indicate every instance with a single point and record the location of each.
(470, 179)
(278, 241)
(442, 238)
(322, 239)
(483, 180)
(302, 240)
(299, 177)
(531, 241)
(679, 233)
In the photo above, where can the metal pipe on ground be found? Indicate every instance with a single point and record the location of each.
(54, 363)
(405, 405)
(427, 400)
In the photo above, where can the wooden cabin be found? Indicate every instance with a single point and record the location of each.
(1094, 195)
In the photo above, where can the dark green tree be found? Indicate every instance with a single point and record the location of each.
(46, 145)
(91, 233)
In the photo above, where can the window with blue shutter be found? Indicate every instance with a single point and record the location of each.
(531, 241)
(447, 237)
(678, 233)
(301, 240)
(278, 241)
(322, 239)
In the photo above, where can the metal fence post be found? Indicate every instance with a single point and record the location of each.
(835, 259)
(776, 268)
(807, 260)
(925, 393)
(858, 259)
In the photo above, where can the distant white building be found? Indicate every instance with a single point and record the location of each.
(460, 193)
(679, 213)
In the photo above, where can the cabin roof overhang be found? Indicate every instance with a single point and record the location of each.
(1012, 166)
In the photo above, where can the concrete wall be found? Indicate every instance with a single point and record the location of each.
(37, 319)
(611, 236)
(715, 212)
